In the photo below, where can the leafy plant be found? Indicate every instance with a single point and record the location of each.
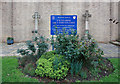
(54, 66)
(44, 67)
(60, 67)
(48, 55)
(29, 69)
(82, 53)
(25, 60)
(35, 49)
(10, 38)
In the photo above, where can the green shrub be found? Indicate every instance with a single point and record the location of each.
(29, 69)
(33, 52)
(48, 55)
(68, 46)
(26, 59)
(35, 48)
(44, 67)
(23, 61)
(82, 53)
(54, 66)
(60, 67)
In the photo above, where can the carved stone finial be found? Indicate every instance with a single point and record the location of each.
(87, 15)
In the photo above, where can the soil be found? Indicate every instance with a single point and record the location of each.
(103, 72)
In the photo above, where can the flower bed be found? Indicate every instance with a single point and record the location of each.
(71, 60)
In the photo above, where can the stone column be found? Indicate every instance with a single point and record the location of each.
(86, 15)
(36, 18)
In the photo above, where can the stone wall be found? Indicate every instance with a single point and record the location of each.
(6, 20)
(0, 22)
(119, 21)
(114, 16)
(17, 18)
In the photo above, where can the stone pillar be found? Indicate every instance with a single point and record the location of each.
(36, 18)
(86, 15)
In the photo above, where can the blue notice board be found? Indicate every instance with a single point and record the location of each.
(67, 22)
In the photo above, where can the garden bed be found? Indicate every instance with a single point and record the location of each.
(105, 70)
(11, 73)
(72, 59)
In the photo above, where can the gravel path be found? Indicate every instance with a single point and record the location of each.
(11, 50)
(109, 50)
